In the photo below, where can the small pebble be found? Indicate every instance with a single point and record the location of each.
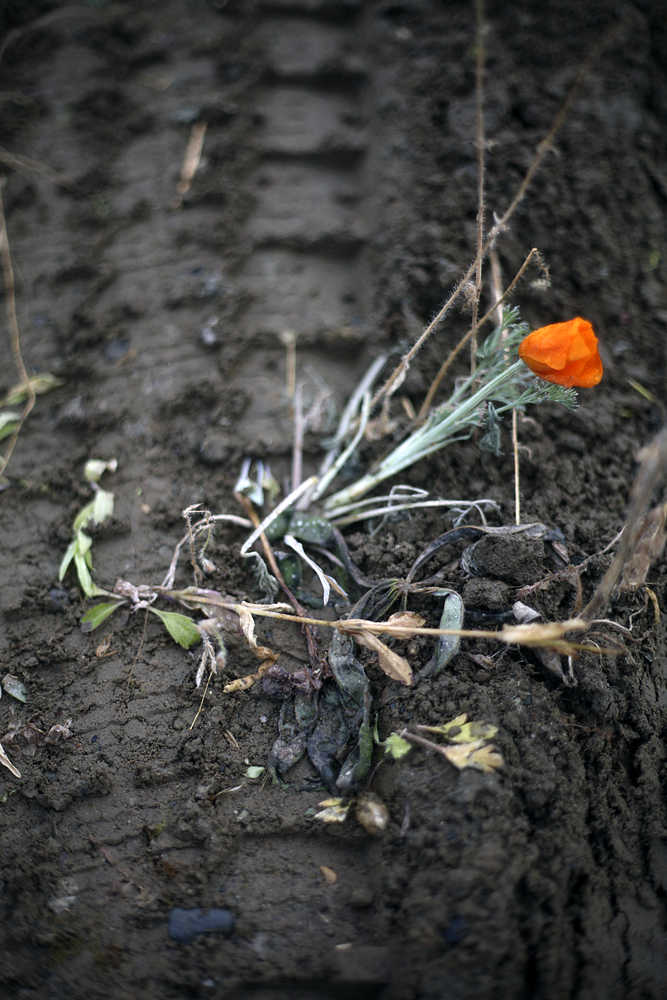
(185, 925)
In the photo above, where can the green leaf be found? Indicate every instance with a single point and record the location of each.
(83, 517)
(85, 579)
(67, 558)
(98, 614)
(83, 542)
(181, 628)
(396, 746)
(8, 423)
(254, 772)
(102, 506)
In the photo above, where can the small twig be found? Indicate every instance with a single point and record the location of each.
(480, 143)
(421, 741)
(449, 360)
(515, 453)
(14, 333)
(201, 703)
(288, 338)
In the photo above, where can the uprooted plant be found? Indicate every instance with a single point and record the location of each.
(327, 709)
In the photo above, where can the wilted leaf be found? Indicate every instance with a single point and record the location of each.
(394, 666)
(410, 619)
(247, 623)
(98, 614)
(487, 759)
(478, 754)
(523, 613)
(326, 582)
(181, 628)
(460, 755)
(13, 686)
(333, 811)
(447, 646)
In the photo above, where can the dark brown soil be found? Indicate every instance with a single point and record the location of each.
(336, 197)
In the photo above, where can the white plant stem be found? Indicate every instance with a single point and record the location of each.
(431, 436)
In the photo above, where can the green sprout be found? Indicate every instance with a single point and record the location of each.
(98, 510)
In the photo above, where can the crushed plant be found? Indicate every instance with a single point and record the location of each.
(299, 559)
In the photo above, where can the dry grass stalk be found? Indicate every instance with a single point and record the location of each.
(651, 476)
(14, 334)
(480, 142)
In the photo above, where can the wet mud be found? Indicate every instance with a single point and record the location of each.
(334, 207)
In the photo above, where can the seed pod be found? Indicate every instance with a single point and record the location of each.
(371, 813)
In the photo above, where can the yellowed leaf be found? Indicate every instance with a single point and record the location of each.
(459, 730)
(478, 754)
(333, 811)
(487, 759)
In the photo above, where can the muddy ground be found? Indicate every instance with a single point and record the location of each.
(335, 197)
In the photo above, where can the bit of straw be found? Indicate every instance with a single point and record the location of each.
(191, 161)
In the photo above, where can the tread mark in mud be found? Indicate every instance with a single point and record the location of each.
(306, 236)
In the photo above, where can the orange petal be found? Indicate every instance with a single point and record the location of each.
(564, 353)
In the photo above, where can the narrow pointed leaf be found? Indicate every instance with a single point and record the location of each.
(98, 614)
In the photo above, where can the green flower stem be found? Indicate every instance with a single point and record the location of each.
(431, 436)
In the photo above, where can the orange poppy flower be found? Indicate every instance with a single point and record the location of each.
(564, 353)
